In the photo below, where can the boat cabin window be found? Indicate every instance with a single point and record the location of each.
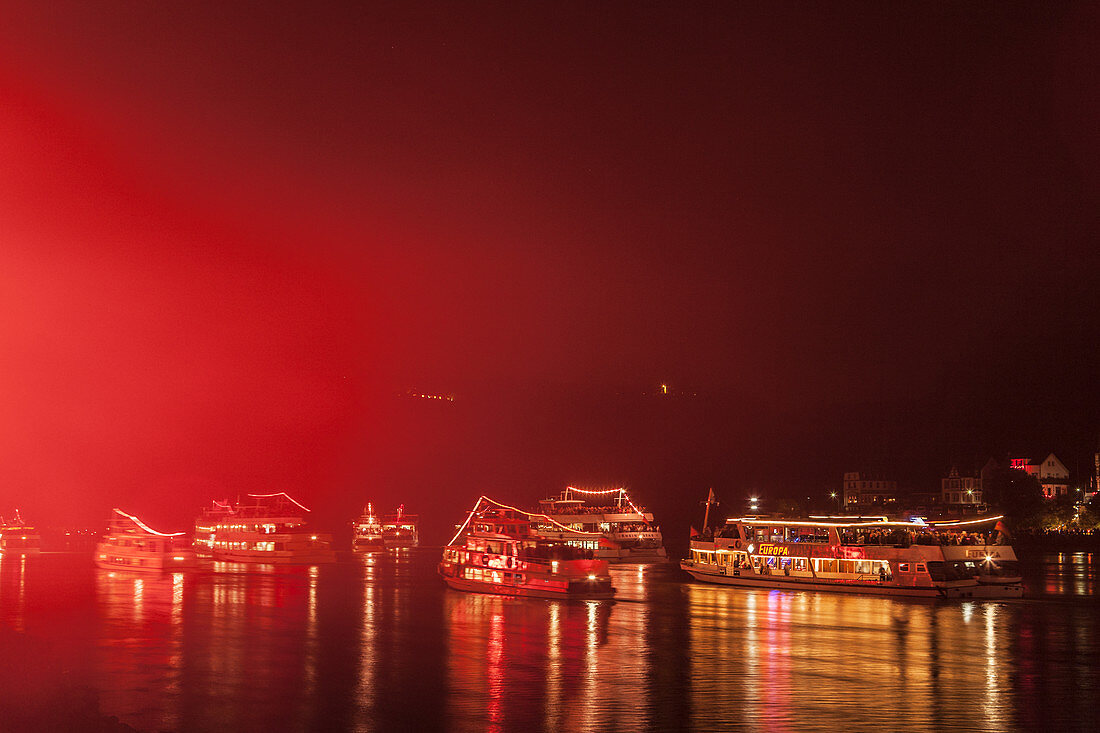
(903, 567)
(818, 535)
(921, 568)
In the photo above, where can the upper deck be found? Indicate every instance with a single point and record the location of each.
(400, 519)
(264, 509)
(861, 531)
(574, 502)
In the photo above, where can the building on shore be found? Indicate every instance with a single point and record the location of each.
(865, 492)
(1052, 474)
(961, 493)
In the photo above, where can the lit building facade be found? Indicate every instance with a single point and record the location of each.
(862, 491)
(1052, 474)
(961, 493)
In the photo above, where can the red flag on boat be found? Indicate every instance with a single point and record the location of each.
(694, 532)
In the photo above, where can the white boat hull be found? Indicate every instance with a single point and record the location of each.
(110, 557)
(519, 591)
(953, 589)
(274, 557)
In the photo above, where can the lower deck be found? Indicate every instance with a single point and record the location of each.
(111, 557)
(866, 583)
(275, 557)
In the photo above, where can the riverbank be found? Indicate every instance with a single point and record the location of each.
(1056, 541)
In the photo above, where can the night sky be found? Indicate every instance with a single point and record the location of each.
(232, 234)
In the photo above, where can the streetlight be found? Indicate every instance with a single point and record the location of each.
(753, 504)
(832, 494)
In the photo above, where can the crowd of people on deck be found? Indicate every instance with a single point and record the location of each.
(900, 537)
(889, 536)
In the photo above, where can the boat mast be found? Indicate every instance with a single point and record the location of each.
(706, 515)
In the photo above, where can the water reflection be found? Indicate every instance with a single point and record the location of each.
(141, 649)
(549, 665)
(1068, 573)
(13, 589)
(779, 660)
(376, 643)
(364, 692)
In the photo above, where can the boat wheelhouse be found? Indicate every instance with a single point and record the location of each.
(496, 551)
(400, 529)
(130, 544)
(945, 559)
(19, 538)
(367, 531)
(269, 529)
(616, 529)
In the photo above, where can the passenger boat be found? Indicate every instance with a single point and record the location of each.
(616, 529)
(496, 551)
(400, 529)
(270, 529)
(130, 544)
(19, 538)
(367, 532)
(944, 559)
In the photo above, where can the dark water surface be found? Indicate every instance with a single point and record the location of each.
(377, 643)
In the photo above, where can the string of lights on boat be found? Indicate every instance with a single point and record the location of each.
(281, 493)
(486, 499)
(146, 527)
(621, 491)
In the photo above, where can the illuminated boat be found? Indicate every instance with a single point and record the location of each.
(130, 544)
(948, 559)
(19, 538)
(496, 551)
(400, 529)
(616, 529)
(270, 529)
(367, 532)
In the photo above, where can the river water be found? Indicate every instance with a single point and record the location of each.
(377, 643)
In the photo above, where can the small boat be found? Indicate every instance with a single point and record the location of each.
(19, 538)
(945, 559)
(606, 521)
(270, 529)
(400, 529)
(496, 551)
(130, 544)
(367, 532)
